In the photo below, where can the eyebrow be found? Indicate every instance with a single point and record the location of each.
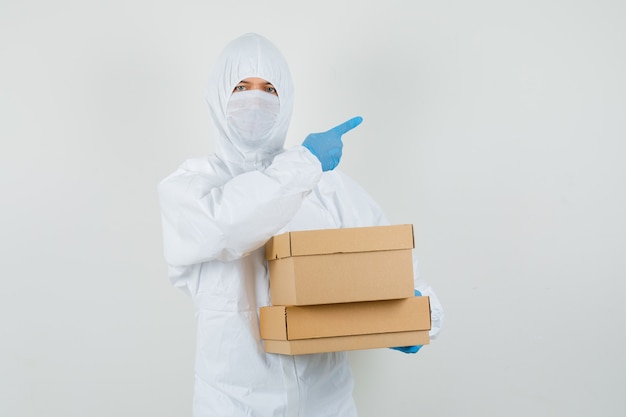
(248, 82)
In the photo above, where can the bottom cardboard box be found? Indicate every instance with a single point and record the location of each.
(344, 343)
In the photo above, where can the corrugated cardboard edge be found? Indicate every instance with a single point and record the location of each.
(342, 240)
(346, 343)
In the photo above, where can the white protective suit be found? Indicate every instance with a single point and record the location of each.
(217, 214)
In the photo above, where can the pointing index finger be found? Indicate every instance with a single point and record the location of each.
(348, 125)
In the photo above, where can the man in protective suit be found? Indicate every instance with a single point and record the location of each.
(219, 211)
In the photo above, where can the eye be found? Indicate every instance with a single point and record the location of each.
(239, 87)
(270, 89)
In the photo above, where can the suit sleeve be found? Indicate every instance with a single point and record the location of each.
(202, 222)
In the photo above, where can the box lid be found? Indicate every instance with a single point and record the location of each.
(343, 319)
(346, 240)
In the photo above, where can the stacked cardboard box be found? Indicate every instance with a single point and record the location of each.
(343, 289)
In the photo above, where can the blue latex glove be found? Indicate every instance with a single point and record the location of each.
(409, 349)
(327, 145)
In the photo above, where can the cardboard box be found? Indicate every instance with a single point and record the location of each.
(341, 265)
(345, 326)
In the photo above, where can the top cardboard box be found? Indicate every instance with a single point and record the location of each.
(341, 265)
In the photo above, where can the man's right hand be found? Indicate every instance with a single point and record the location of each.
(327, 146)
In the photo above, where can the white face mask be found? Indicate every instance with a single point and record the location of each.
(251, 115)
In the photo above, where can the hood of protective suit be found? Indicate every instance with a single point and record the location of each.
(250, 55)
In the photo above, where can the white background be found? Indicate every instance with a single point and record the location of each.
(497, 128)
